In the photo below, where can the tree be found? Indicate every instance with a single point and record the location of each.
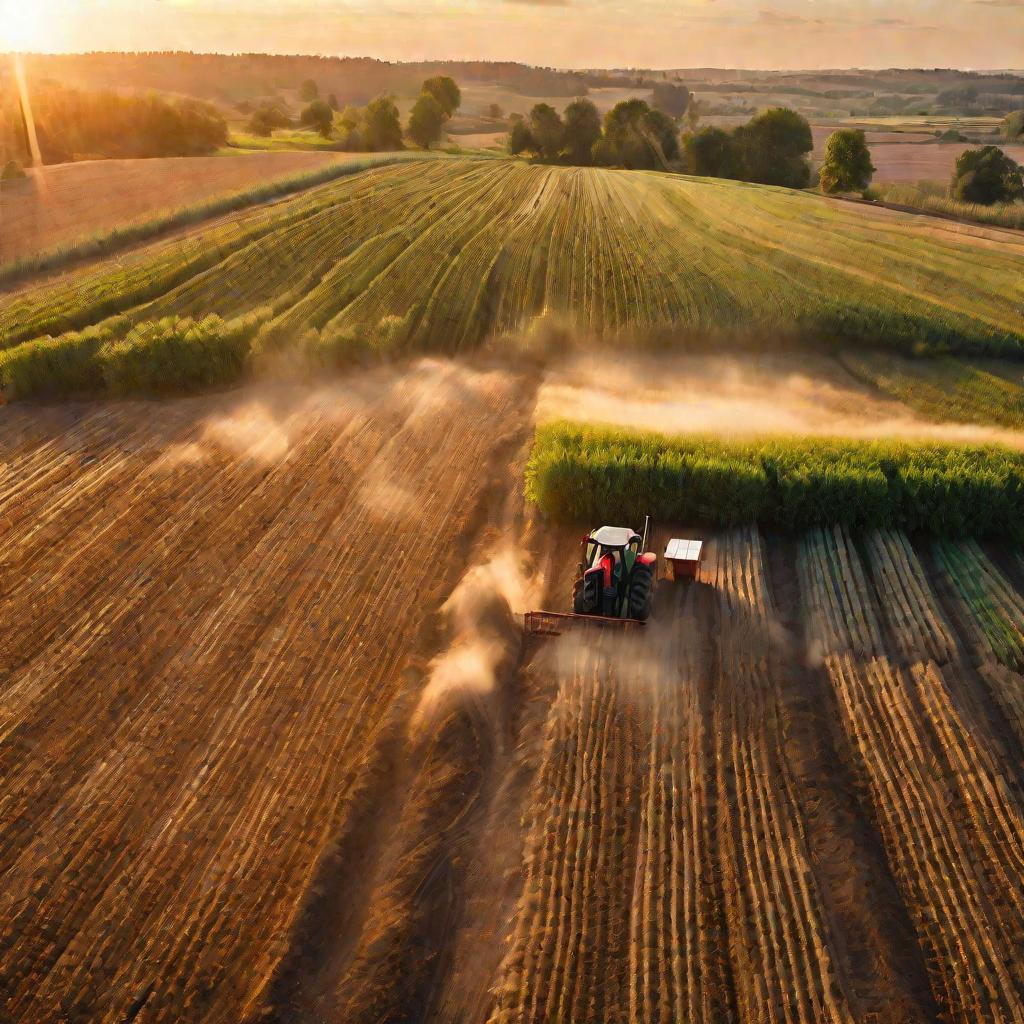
(847, 166)
(547, 129)
(319, 116)
(671, 98)
(986, 176)
(446, 92)
(773, 148)
(582, 130)
(641, 138)
(382, 125)
(711, 152)
(309, 91)
(520, 139)
(332, 102)
(426, 121)
(495, 112)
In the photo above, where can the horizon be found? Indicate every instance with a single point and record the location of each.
(581, 68)
(765, 36)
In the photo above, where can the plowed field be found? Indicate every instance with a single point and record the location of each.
(252, 770)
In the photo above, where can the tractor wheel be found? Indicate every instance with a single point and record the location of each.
(641, 591)
(584, 595)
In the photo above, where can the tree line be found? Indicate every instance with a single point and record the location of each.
(73, 124)
(374, 128)
(772, 148)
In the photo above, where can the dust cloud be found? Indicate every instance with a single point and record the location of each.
(484, 634)
(265, 422)
(734, 396)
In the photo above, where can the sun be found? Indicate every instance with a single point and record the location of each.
(28, 25)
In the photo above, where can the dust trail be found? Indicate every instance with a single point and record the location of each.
(737, 396)
(485, 635)
(265, 422)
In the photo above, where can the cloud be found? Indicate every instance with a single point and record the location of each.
(774, 18)
(540, 3)
(999, 3)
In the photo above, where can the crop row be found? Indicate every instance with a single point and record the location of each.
(781, 937)
(949, 813)
(579, 472)
(184, 609)
(443, 254)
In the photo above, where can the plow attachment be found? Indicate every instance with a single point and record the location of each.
(557, 623)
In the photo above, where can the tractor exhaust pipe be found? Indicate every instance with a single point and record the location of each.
(647, 524)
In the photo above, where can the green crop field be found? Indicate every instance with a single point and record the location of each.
(441, 255)
(583, 473)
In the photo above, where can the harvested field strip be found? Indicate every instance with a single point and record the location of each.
(661, 252)
(950, 822)
(249, 654)
(916, 621)
(779, 936)
(623, 732)
(589, 769)
(583, 473)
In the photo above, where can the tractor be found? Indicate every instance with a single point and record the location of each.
(614, 584)
(616, 578)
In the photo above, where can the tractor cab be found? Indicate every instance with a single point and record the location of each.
(616, 577)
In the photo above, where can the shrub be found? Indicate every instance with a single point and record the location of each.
(986, 176)
(603, 473)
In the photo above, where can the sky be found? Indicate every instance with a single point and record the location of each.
(761, 34)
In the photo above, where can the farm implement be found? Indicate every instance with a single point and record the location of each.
(614, 585)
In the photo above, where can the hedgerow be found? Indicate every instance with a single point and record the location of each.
(586, 473)
(174, 354)
(178, 354)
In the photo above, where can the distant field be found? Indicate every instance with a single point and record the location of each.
(443, 255)
(910, 162)
(941, 122)
(66, 202)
